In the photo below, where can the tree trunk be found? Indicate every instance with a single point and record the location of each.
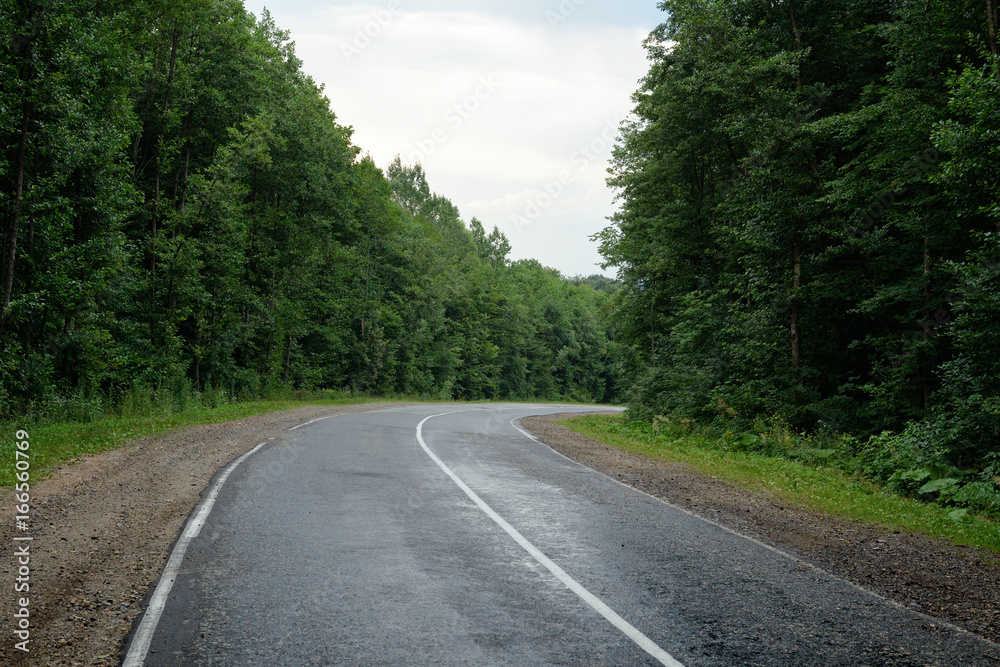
(171, 297)
(368, 280)
(180, 175)
(926, 385)
(137, 142)
(796, 302)
(22, 156)
(137, 160)
(159, 144)
(991, 29)
(652, 330)
(153, 219)
(798, 37)
(991, 19)
(288, 357)
(184, 190)
(197, 352)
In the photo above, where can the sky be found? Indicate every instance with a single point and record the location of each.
(511, 106)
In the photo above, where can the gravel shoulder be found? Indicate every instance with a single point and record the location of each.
(955, 584)
(103, 528)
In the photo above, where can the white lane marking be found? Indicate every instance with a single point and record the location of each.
(785, 554)
(604, 610)
(681, 509)
(295, 428)
(144, 635)
(528, 435)
(340, 414)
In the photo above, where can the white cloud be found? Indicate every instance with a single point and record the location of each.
(555, 93)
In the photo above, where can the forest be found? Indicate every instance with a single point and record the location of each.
(807, 238)
(184, 216)
(809, 232)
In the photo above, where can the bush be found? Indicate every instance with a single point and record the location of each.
(919, 463)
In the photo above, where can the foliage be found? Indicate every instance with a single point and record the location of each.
(819, 486)
(184, 218)
(59, 439)
(809, 227)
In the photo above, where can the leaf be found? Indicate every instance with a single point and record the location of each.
(938, 485)
(917, 475)
(957, 514)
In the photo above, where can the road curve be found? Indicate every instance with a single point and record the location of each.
(443, 535)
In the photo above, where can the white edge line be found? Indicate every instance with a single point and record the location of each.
(531, 437)
(338, 414)
(143, 638)
(144, 634)
(604, 610)
(936, 621)
(295, 428)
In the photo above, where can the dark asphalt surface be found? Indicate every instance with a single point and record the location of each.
(346, 544)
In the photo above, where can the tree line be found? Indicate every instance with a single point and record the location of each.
(183, 213)
(810, 226)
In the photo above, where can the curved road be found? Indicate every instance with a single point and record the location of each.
(444, 535)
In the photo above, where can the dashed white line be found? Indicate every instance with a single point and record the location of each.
(595, 602)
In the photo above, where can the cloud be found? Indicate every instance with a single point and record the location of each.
(412, 83)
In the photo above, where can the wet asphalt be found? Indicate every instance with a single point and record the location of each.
(344, 543)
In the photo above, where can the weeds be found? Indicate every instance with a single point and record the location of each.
(68, 429)
(819, 471)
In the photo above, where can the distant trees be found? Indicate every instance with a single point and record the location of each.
(810, 217)
(181, 211)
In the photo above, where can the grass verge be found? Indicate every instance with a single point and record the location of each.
(824, 489)
(52, 444)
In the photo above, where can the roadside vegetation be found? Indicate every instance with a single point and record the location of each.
(72, 429)
(809, 239)
(183, 214)
(827, 474)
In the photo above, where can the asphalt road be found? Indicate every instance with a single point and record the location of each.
(363, 540)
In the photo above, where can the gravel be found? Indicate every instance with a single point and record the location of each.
(103, 527)
(960, 585)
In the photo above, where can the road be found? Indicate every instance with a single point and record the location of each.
(443, 535)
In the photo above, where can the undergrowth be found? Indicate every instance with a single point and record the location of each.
(825, 472)
(65, 432)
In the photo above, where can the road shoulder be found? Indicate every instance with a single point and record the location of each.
(955, 584)
(103, 528)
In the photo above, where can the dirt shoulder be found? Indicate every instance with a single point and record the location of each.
(102, 530)
(103, 527)
(955, 584)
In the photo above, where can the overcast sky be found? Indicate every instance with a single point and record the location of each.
(512, 106)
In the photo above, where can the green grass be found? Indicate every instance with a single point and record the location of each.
(825, 489)
(52, 444)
